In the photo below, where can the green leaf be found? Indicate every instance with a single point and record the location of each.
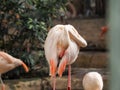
(31, 26)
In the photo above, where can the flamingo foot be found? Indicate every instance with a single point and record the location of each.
(69, 88)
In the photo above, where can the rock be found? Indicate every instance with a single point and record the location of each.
(90, 59)
(61, 83)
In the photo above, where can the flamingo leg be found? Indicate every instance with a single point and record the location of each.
(69, 77)
(3, 86)
(54, 82)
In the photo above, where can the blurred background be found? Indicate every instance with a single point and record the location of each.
(24, 25)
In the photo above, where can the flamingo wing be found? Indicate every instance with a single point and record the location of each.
(55, 45)
(51, 51)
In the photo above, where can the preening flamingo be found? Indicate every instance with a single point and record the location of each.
(61, 48)
(92, 81)
(7, 63)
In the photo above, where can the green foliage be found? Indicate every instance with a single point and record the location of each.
(38, 27)
(23, 26)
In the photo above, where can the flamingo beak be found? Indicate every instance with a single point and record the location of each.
(25, 67)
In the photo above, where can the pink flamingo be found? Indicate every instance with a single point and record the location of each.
(104, 30)
(7, 63)
(92, 81)
(61, 48)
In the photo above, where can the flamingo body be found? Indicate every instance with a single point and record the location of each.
(62, 47)
(55, 45)
(7, 63)
(93, 81)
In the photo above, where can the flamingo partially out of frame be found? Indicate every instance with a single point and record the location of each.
(104, 30)
(92, 81)
(62, 46)
(7, 63)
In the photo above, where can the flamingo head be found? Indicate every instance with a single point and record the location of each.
(19, 62)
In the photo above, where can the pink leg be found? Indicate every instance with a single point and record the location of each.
(3, 85)
(54, 82)
(69, 77)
